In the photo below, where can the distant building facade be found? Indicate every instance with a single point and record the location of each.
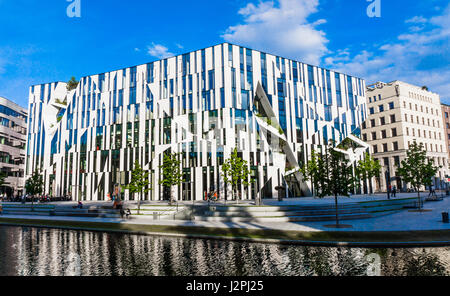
(203, 105)
(446, 118)
(398, 114)
(13, 131)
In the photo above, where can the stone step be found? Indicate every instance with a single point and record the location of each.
(27, 213)
(385, 208)
(86, 214)
(284, 219)
(220, 208)
(285, 214)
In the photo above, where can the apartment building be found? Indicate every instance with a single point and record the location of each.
(446, 119)
(398, 114)
(13, 131)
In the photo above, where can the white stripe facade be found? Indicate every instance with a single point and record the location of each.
(201, 104)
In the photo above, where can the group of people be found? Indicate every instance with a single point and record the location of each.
(393, 190)
(118, 204)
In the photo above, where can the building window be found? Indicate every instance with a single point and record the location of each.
(381, 108)
(382, 121)
(365, 137)
(375, 149)
(372, 122)
(385, 147)
(391, 105)
(393, 118)
(371, 110)
(383, 134)
(374, 136)
(395, 146)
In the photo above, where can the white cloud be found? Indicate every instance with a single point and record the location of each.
(281, 29)
(417, 56)
(158, 51)
(416, 20)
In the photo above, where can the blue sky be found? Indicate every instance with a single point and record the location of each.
(39, 43)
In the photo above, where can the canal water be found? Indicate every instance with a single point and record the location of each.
(35, 251)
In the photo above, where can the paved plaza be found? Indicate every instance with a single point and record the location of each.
(405, 220)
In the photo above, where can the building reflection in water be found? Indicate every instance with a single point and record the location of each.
(35, 251)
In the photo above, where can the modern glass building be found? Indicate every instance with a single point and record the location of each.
(201, 104)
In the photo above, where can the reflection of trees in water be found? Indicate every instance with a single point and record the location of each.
(416, 262)
(51, 252)
(324, 261)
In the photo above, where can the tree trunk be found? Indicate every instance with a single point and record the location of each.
(312, 187)
(370, 186)
(336, 205)
(170, 197)
(139, 204)
(418, 197)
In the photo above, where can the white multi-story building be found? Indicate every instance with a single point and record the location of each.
(400, 113)
(202, 104)
(13, 131)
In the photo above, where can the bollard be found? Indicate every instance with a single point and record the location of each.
(445, 217)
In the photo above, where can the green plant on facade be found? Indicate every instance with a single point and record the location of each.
(34, 186)
(234, 171)
(417, 169)
(139, 183)
(58, 101)
(280, 130)
(171, 173)
(367, 169)
(72, 84)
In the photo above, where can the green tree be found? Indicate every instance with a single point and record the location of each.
(332, 174)
(367, 169)
(171, 173)
(340, 180)
(34, 186)
(234, 171)
(72, 84)
(315, 170)
(245, 177)
(417, 169)
(139, 183)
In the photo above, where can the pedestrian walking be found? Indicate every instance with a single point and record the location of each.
(394, 191)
